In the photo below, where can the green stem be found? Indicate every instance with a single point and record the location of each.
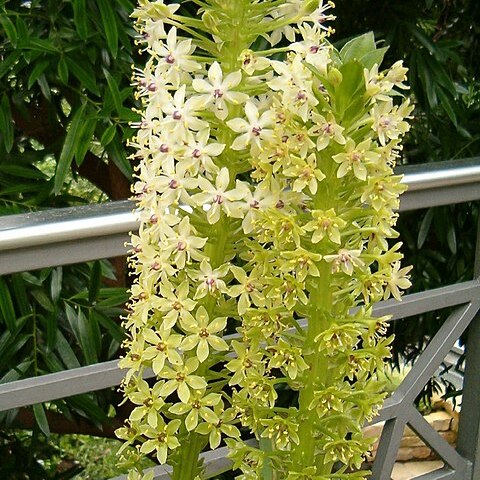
(304, 454)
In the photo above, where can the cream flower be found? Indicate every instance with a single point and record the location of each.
(180, 379)
(218, 91)
(256, 129)
(163, 347)
(202, 333)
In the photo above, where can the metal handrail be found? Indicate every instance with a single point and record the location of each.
(113, 218)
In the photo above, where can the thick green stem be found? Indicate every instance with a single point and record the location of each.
(304, 454)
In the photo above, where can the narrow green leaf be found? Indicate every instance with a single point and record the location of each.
(84, 74)
(452, 239)
(116, 152)
(448, 105)
(94, 333)
(9, 28)
(62, 70)
(51, 329)
(80, 18)
(65, 351)
(109, 22)
(44, 86)
(108, 135)
(114, 297)
(86, 405)
(19, 291)
(84, 334)
(6, 124)
(30, 172)
(72, 318)
(43, 299)
(17, 372)
(39, 45)
(9, 341)
(22, 30)
(8, 62)
(113, 86)
(85, 138)
(56, 283)
(425, 227)
(69, 148)
(88, 338)
(39, 68)
(41, 419)
(114, 329)
(6, 306)
(95, 278)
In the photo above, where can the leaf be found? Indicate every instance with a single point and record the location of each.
(80, 18)
(375, 57)
(7, 63)
(350, 90)
(114, 90)
(41, 419)
(85, 139)
(94, 334)
(6, 124)
(51, 328)
(109, 22)
(22, 30)
(108, 135)
(9, 28)
(43, 299)
(70, 146)
(116, 152)
(85, 334)
(72, 318)
(62, 70)
(17, 372)
(94, 284)
(38, 44)
(65, 351)
(20, 171)
(44, 87)
(358, 47)
(452, 239)
(90, 409)
(114, 330)
(20, 294)
(6, 306)
(448, 105)
(39, 68)
(84, 74)
(424, 228)
(56, 283)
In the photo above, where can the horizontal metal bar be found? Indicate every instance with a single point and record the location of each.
(104, 375)
(77, 234)
(430, 300)
(441, 174)
(66, 224)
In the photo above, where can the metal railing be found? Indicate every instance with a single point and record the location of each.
(65, 236)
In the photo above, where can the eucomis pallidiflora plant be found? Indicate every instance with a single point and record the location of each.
(266, 197)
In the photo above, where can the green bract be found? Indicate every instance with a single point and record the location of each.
(266, 194)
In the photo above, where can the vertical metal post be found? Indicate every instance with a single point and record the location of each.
(468, 444)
